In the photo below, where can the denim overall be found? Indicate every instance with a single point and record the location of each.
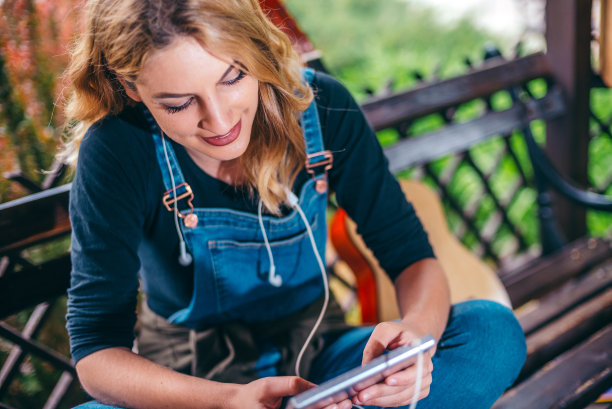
(230, 261)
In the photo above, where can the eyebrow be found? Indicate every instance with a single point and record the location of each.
(163, 95)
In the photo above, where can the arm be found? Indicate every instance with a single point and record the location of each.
(119, 377)
(424, 297)
(390, 228)
(424, 300)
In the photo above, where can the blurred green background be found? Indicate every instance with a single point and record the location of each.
(366, 43)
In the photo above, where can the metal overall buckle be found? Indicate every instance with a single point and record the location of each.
(321, 184)
(190, 220)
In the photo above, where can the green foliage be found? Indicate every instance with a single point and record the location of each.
(600, 152)
(366, 43)
(34, 36)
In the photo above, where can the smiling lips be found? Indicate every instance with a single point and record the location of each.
(222, 140)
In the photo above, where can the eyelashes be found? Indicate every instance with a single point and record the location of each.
(175, 109)
(179, 108)
(234, 80)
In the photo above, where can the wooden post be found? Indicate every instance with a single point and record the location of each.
(568, 39)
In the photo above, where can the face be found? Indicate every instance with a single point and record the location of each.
(204, 102)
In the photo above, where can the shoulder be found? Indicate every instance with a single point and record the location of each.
(116, 152)
(342, 121)
(115, 138)
(330, 93)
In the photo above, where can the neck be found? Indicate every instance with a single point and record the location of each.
(226, 171)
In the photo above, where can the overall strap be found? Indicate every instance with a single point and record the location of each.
(170, 169)
(319, 161)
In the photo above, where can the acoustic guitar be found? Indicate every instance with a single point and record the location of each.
(468, 276)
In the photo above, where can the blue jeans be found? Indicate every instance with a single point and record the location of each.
(479, 356)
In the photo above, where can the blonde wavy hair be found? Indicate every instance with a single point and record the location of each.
(121, 34)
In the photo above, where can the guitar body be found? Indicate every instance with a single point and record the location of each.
(467, 275)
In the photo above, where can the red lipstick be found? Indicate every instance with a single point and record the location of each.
(222, 140)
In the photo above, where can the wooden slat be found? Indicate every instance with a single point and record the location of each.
(60, 390)
(571, 328)
(545, 273)
(36, 348)
(553, 305)
(460, 137)
(34, 218)
(571, 381)
(34, 285)
(493, 76)
(11, 365)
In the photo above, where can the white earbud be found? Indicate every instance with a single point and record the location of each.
(274, 279)
(185, 258)
(291, 197)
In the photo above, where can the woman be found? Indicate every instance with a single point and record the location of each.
(205, 159)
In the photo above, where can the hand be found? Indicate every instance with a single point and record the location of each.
(397, 389)
(267, 393)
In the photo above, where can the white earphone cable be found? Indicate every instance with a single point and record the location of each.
(417, 384)
(417, 387)
(325, 286)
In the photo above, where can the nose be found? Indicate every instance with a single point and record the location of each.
(215, 118)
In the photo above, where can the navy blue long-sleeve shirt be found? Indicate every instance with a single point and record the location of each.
(118, 219)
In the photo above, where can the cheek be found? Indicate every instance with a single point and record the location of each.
(175, 126)
(250, 95)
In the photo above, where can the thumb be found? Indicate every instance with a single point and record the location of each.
(287, 385)
(380, 339)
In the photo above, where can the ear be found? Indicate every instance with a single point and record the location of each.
(130, 89)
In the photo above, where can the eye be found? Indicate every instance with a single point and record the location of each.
(175, 109)
(241, 75)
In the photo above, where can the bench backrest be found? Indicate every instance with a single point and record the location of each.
(35, 272)
(465, 137)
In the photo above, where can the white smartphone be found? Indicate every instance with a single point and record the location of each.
(350, 383)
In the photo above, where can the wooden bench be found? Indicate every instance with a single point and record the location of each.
(562, 292)
(563, 297)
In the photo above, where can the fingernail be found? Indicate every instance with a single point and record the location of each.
(392, 381)
(365, 397)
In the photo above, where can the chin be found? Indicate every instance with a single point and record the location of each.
(230, 152)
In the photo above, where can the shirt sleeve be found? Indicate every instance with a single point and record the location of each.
(363, 184)
(107, 219)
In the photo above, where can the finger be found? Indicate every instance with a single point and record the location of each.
(387, 396)
(345, 404)
(384, 334)
(408, 376)
(286, 385)
(400, 399)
